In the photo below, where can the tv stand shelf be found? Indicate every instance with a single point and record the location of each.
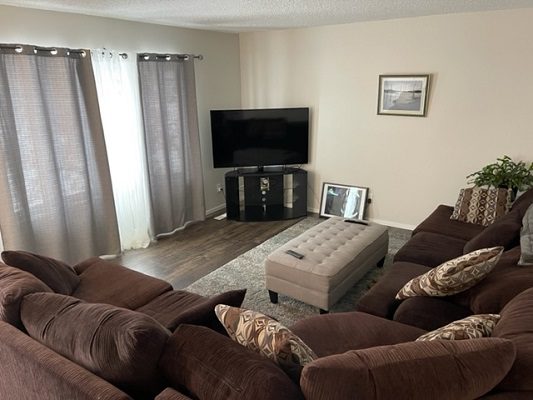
(266, 195)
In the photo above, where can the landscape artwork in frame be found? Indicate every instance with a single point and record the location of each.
(343, 201)
(403, 95)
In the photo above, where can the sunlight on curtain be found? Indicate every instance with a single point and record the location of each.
(55, 185)
(118, 95)
(170, 116)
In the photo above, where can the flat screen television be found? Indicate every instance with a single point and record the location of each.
(260, 137)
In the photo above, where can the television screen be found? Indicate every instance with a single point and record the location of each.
(274, 136)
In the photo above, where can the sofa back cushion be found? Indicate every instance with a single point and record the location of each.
(505, 281)
(516, 325)
(14, 285)
(110, 283)
(60, 277)
(523, 202)
(434, 370)
(181, 307)
(119, 345)
(213, 367)
(505, 231)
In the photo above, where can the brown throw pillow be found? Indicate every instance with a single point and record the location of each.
(473, 327)
(213, 367)
(481, 206)
(453, 276)
(59, 276)
(119, 345)
(463, 369)
(14, 285)
(265, 336)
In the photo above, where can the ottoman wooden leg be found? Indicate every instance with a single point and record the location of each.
(381, 262)
(273, 297)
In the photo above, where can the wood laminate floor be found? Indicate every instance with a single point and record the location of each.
(199, 249)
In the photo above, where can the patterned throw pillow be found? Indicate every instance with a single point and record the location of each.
(453, 276)
(265, 336)
(481, 206)
(473, 327)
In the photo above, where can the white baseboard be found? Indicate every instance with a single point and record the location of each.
(378, 221)
(215, 209)
(393, 224)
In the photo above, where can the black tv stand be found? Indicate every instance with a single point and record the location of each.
(266, 195)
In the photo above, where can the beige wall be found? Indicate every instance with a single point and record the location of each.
(217, 76)
(480, 103)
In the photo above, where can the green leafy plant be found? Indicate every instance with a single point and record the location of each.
(504, 173)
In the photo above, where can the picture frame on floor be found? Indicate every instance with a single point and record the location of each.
(404, 95)
(345, 201)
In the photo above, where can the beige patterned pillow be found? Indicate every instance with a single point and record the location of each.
(481, 206)
(453, 276)
(473, 327)
(265, 336)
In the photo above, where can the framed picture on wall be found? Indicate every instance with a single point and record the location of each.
(343, 201)
(403, 95)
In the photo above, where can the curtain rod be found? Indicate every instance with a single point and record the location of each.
(53, 50)
(146, 56)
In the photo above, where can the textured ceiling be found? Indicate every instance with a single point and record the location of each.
(247, 15)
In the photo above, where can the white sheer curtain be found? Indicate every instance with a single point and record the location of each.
(120, 107)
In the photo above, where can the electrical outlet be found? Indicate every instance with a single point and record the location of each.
(220, 188)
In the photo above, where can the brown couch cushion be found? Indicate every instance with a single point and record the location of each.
(181, 307)
(516, 324)
(481, 206)
(213, 367)
(171, 394)
(504, 232)
(110, 283)
(436, 370)
(14, 285)
(119, 345)
(430, 249)
(32, 371)
(380, 299)
(439, 222)
(429, 313)
(337, 333)
(454, 276)
(57, 275)
(504, 282)
(522, 203)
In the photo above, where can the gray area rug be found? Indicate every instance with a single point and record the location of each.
(247, 271)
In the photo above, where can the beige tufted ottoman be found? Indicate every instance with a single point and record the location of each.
(336, 255)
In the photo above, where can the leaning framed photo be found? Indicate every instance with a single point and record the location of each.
(345, 201)
(403, 95)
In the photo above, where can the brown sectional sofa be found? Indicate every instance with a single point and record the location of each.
(428, 248)
(361, 355)
(31, 369)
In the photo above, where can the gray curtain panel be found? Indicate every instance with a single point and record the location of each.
(168, 96)
(55, 187)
